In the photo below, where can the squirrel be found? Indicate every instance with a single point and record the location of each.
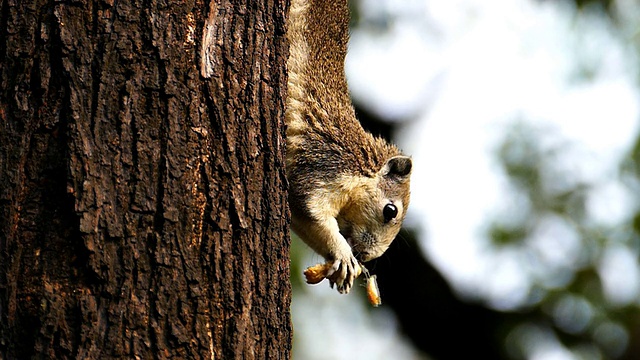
(348, 190)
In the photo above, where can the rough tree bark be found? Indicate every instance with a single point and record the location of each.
(142, 192)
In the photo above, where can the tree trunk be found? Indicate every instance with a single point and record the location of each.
(142, 190)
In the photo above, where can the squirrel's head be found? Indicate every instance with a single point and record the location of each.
(373, 216)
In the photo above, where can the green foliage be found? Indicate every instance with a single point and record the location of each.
(577, 311)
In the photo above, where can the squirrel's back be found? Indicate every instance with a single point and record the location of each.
(320, 116)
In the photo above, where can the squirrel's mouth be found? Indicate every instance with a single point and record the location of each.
(360, 254)
(363, 256)
(358, 246)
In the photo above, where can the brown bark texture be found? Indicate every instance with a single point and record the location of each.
(143, 207)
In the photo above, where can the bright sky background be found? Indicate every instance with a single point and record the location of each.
(458, 71)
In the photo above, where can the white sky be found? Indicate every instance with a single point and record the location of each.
(460, 70)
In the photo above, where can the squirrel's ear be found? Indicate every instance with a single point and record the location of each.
(398, 166)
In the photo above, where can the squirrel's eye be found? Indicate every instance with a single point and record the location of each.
(389, 212)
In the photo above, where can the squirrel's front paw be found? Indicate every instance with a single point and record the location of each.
(344, 270)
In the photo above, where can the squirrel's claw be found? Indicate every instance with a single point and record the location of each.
(343, 273)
